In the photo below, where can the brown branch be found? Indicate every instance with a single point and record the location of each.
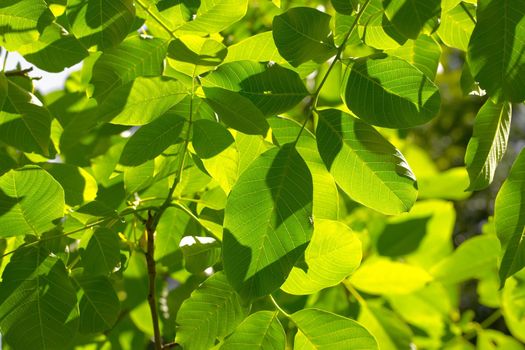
(152, 275)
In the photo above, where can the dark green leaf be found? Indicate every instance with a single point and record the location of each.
(38, 304)
(99, 305)
(411, 16)
(152, 139)
(236, 111)
(495, 55)
(102, 253)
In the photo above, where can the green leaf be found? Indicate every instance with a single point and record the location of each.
(346, 7)
(488, 143)
(259, 47)
(271, 88)
(140, 177)
(22, 21)
(152, 139)
(384, 276)
(193, 55)
(411, 16)
(512, 307)
(141, 101)
(200, 253)
(266, 221)
(324, 330)
(214, 16)
(38, 304)
(423, 53)
(475, 258)
(79, 185)
(333, 253)
(102, 253)
(489, 339)
(387, 327)
(24, 122)
(218, 152)
(375, 29)
(54, 51)
(99, 305)
(134, 57)
(456, 26)
(326, 196)
(390, 92)
(302, 34)
(213, 310)
(495, 55)
(364, 164)
(261, 330)
(236, 111)
(104, 23)
(31, 202)
(509, 216)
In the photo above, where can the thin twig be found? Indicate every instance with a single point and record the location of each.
(152, 275)
(279, 308)
(19, 72)
(156, 18)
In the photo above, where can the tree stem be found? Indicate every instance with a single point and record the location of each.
(152, 275)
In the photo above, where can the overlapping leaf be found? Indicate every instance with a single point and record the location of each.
(333, 253)
(496, 52)
(152, 139)
(261, 330)
(302, 34)
(271, 88)
(213, 310)
(37, 302)
(324, 330)
(134, 57)
(24, 122)
(22, 21)
(390, 92)
(31, 202)
(423, 53)
(214, 16)
(364, 164)
(102, 253)
(457, 25)
(104, 23)
(488, 143)
(141, 101)
(411, 16)
(267, 222)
